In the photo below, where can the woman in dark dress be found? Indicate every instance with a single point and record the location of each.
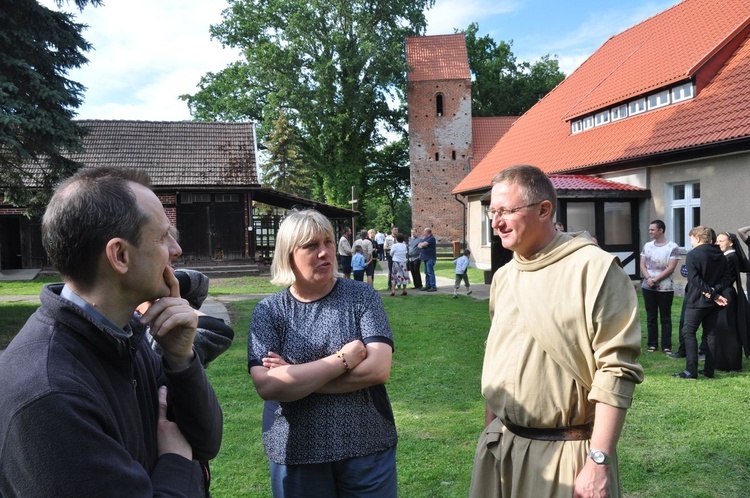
(732, 325)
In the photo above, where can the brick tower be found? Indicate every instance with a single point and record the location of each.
(440, 130)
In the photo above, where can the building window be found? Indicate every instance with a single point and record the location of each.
(659, 99)
(576, 126)
(486, 226)
(683, 92)
(588, 122)
(637, 106)
(619, 112)
(684, 204)
(439, 104)
(192, 198)
(453, 155)
(601, 118)
(437, 156)
(227, 197)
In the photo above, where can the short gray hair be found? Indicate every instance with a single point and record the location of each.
(297, 229)
(534, 183)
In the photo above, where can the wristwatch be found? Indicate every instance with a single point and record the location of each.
(599, 457)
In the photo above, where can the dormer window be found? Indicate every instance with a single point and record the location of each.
(588, 122)
(637, 106)
(659, 99)
(439, 105)
(682, 92)
(619, 112)
(601, 118)
(576, 126)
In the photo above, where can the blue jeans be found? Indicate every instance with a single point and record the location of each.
(429, 273)
(370, 476)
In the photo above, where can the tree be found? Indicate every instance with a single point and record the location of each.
(388, 180)
(38, 47)
(502, 86)
(285, 170)
(335, 67)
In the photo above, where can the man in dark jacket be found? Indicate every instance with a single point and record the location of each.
(708, 276)
(85, 400)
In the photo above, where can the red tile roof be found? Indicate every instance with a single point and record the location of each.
(181, 153)
(678, 42)
(486, 132)
(441, 57)
(586, 182)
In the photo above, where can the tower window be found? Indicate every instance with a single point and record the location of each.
(453, 155)
(439, 104)
(437, 156)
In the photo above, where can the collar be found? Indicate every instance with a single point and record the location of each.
(99, 318)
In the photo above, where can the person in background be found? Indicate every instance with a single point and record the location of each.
(577, 337)
(367, 251)
(414, 261)
(428, 254)
(345, 253)
(358, 264)
(319, 354)
(399, 273)
(559, 226)
(659, 259)
(379, 240)
(708, 278)
(462, 273)
(732, 329)
(83, 409)
(390, 239)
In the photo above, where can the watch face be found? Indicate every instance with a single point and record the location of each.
(598, 456)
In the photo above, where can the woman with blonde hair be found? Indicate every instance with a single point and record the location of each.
(319, 353)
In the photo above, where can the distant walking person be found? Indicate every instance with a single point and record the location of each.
(659, 259)
(462, 273)
(429, 256)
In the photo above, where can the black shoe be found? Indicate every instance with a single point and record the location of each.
(432, 289)
(703, 373)
(684, 375)
(676, 355)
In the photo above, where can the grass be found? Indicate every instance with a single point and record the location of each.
(27, 287)
(12, 318)
(681, 438)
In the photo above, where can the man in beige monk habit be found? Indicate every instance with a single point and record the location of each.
(560, 366)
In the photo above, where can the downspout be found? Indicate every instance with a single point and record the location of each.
(463, 204)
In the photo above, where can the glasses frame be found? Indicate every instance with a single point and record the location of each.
(503, 212)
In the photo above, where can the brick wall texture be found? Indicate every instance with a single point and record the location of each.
(439, 147)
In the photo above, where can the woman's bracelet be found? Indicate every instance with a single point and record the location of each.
(339, 354)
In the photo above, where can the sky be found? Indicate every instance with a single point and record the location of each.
(149, 52)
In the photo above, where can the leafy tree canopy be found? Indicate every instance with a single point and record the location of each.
(335, 68)
(38, 47)
(502, 86)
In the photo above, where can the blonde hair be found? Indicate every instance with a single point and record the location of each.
(297, 229)
(704, 234)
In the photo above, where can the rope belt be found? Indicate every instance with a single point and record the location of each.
(573, 433)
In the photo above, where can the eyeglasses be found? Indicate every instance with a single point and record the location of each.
(503, 212)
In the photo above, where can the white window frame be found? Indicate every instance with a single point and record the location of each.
(601, 118)
(687, 205)
(619, 112)
(658, 99)
(682, 92)
(486, 227)
(576, 126)
(637, 106)
(588, 122)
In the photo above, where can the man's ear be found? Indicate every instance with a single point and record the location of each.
(545, 209)
(118, 255)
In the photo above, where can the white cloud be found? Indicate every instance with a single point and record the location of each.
(147, 53)
(449, 15)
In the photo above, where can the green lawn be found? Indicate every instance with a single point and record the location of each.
(681, 438)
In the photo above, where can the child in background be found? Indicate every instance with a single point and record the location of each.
(462, 264)
(358, 264)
